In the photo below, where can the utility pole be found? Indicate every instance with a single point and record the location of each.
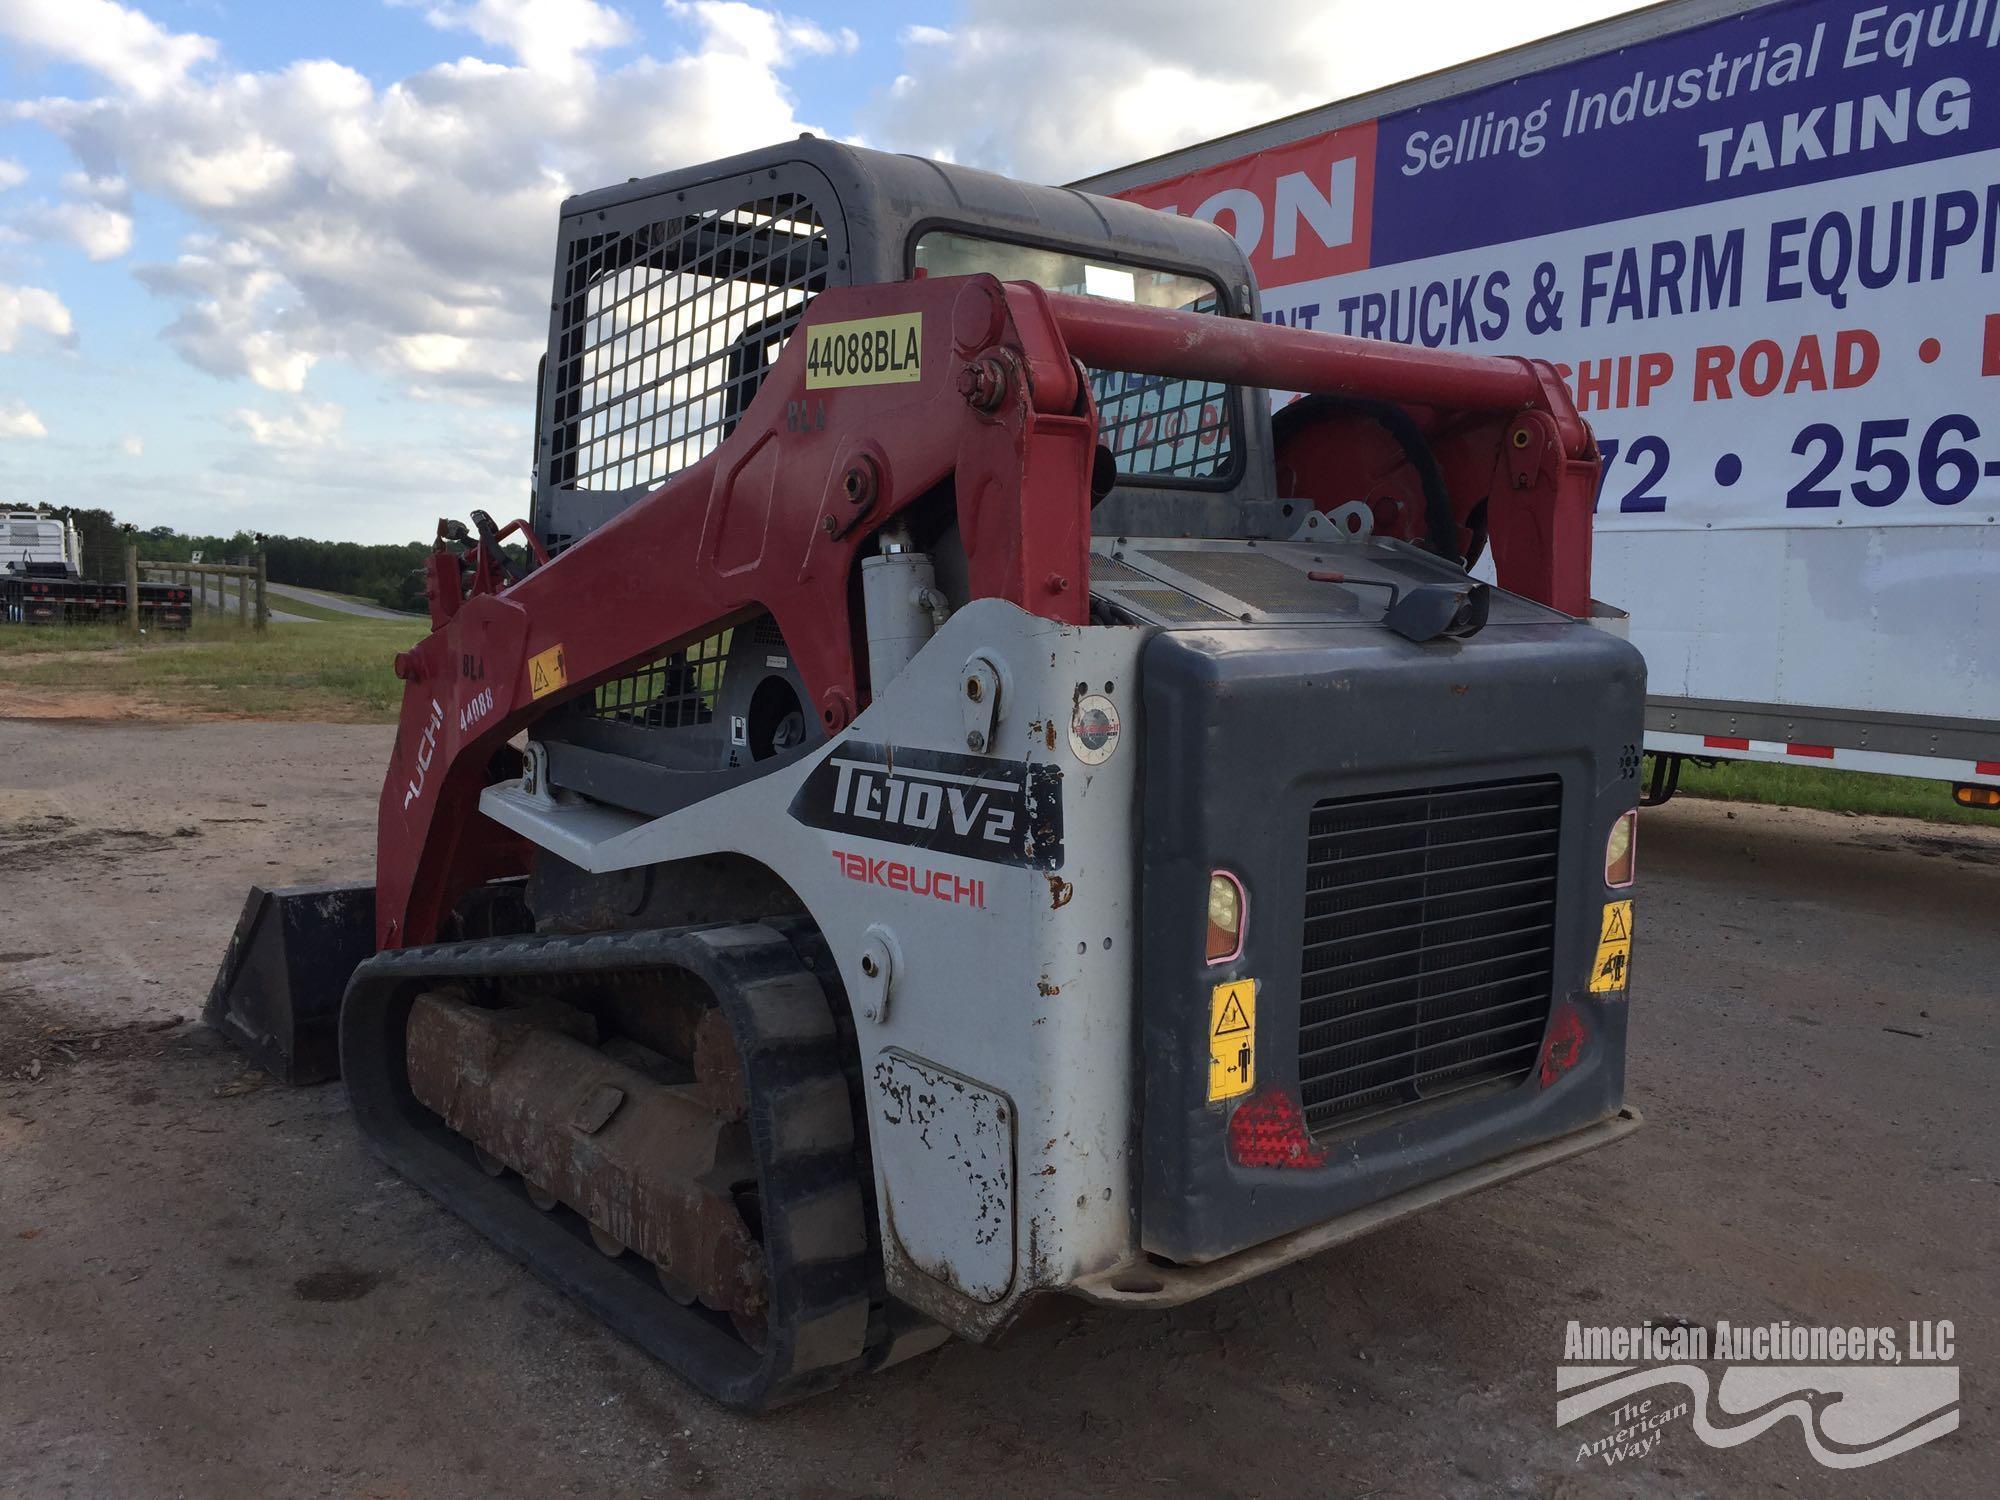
(132, 587)
(263, 602)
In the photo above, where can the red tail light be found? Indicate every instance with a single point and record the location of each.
(1565, 1042)
(1268, 1130)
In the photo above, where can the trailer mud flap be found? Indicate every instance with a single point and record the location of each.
(277, 995)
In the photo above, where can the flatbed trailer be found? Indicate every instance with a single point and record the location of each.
(32, 600)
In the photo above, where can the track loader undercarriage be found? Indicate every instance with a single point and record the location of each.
(661, 1122)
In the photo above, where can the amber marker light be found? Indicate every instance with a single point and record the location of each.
(1227, 910)
(1621, 850)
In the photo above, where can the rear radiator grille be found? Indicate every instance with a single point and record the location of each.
(1428, 946)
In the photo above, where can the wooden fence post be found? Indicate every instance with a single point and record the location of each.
(242, 597)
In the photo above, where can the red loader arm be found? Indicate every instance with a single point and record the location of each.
(990, 403)
(1512, 458)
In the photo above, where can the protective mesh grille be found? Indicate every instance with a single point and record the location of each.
(1258, 579)
(1161, 428)
(1429, 942)
(1114, 570)
(673, 692)
(1169, 604)
(665, 332)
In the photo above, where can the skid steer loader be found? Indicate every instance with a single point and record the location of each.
(946, 800)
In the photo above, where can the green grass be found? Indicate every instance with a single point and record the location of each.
(1828, 790)
(341, 671)
(42, 640)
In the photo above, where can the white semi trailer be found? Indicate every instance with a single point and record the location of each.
(42, 582)
(1760, 240)
(33, 541)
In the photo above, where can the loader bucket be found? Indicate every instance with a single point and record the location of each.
(277, 995)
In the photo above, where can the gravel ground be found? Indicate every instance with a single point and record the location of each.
(208, 1288)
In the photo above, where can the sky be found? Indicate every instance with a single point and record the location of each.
(283, 265)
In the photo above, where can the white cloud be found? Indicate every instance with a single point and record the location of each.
(762, 36)
(1053, 90)
(128, 49)
(238, 317)
(548, 34)
(100, 233)
(12, 173)
(132, 445)
(364, 482)
(113, 192)
(308, 424)
(407, 228)
(17, 421)
(404, 228)
(32, 309)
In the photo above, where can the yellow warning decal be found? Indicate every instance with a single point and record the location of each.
(866, 351)
(1232, 1039)
(545, 672)
(1611, 970)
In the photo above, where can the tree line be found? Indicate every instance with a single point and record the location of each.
(389, 574)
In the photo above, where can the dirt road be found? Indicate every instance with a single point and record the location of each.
(207, 1288)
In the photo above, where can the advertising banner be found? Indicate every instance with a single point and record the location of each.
(1762, 252)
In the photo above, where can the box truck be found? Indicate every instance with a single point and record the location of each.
(1759, 240)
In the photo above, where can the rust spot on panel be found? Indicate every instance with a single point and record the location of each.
(1046, 988)
(1060, 891)
(1044, 809)
(1041, 1267)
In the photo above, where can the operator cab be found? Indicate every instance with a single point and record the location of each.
(674, 293)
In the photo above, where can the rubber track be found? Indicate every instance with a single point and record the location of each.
(822, 1274)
